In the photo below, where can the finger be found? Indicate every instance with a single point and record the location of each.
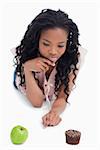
(56, 121)
(51, 117)
(39, 67)
(48, 62)
(45, 120)
(44, 65)
(42, 68)
(46, 123)
(52, 122)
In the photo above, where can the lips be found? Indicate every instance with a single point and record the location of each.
(54, 59)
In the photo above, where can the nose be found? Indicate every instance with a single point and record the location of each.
(53, 51)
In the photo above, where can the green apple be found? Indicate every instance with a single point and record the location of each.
(18, 135)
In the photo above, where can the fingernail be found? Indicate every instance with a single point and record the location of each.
(53, 64)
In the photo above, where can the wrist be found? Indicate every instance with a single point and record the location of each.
(55, 112)
(26, 68)
(58, 106)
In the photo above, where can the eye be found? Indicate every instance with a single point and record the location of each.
(45, 44)
(60, 46)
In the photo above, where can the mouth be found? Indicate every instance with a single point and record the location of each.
(54, 59)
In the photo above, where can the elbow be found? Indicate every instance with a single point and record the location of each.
(37, 104)
(35, 101)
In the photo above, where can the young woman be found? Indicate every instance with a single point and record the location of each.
(47, 62)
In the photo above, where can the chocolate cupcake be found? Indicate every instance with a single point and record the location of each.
(72, 137)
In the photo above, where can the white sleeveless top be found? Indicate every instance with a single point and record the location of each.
(49, 85)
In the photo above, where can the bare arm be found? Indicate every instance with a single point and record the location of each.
(59, 105)
(33, 91)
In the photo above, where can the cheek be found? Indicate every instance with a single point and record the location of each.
(43, 49)
(62, 51)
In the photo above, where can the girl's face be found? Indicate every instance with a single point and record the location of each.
(52, 43)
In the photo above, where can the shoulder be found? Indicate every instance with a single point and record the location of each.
(13, 51)
(82, 51)
(82, 56)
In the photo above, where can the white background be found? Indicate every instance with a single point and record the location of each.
(83, 112)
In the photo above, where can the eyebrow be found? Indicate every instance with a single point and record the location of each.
(51, 42)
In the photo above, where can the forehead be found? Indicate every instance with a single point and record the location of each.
(54, 34)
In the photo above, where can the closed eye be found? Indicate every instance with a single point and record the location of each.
(60, 46)
(45, 44)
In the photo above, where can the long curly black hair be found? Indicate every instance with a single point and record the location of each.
(29, 46)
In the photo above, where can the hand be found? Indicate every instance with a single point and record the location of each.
(38, 64)
(51, 119)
